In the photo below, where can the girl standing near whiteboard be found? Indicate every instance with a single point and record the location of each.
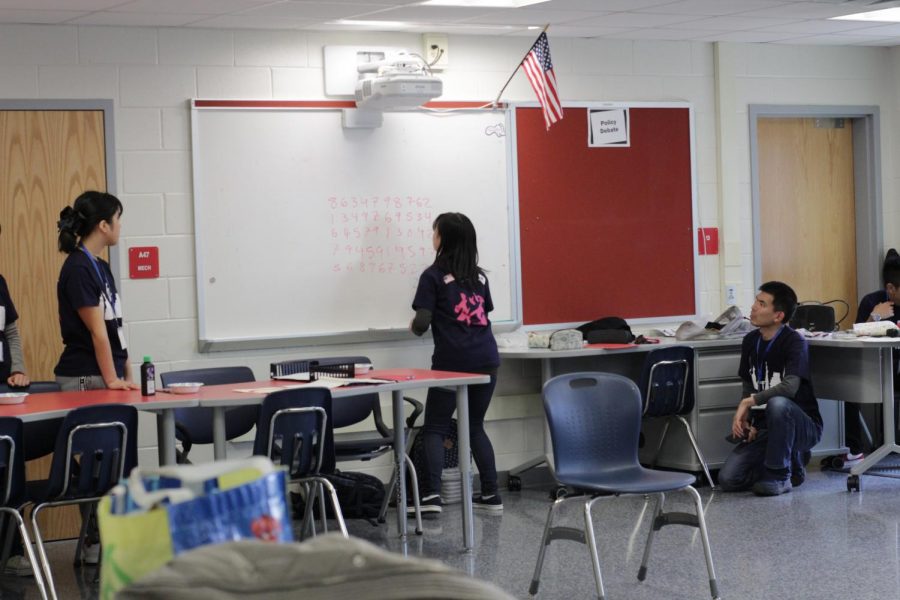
(90, 310)
(454, 299)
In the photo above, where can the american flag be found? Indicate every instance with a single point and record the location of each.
(539, 70)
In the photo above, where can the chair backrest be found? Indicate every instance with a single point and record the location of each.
(594, 421)
(41, 435)
(12, 462)
(667, 381)
(346, 411)
(198, 422)
(95, 447)
(294, 429)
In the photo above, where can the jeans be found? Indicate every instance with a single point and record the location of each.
(439, 407)
(789, 432)
(80, 384)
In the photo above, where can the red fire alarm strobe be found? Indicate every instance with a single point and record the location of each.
(143, 262)
(708, 240)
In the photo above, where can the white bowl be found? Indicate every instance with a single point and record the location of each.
(13, 397)
(188, 387)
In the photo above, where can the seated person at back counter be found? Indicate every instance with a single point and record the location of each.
(882, 304)
(774, 449)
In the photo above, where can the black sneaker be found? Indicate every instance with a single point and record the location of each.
(427, 504)
(798, 468)
(492, 503)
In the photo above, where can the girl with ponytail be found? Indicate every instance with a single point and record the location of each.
(90, 309)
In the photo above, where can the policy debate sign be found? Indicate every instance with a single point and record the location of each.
(608, 128)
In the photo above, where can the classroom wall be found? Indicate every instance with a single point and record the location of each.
(150, 73)
(793, 75)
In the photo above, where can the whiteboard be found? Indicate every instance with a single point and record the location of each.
(307, 230)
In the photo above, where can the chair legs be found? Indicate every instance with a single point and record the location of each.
(657, 511)
(707, 552)
(545, 541)
(42, 553)
(392, 489)
(659, 521)
(587, 536)
(697, 450)
(39, 540)
(29, 550)
(694, 445)
(325, 486)
(315, 489)
(592, 544)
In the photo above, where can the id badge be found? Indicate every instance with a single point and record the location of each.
(108, 313)
(121, 331)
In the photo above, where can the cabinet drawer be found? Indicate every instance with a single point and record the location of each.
(725, 394)
(714, 426)
(717, 365)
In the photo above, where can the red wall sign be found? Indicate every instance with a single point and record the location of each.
(143, 262)
(708, 240)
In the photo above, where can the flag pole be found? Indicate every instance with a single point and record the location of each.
(505, 85)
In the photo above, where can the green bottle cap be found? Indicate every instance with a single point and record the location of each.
(147, 359)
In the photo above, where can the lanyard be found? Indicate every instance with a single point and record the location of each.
(761, 357)
(104, 283)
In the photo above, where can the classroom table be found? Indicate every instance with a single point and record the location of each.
(858, 370)
(624, 359)
(54, 405)
(842, 369)
(222, 397)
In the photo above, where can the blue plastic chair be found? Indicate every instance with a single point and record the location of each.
(595, 421)
(294, 429)
(195, 425)
(667, 389)
(96, 447)
(367, 445)
(41, 435)
(12, 488)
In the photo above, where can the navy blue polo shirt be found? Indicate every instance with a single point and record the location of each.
(11, 317)
(868, 304)
(463, 340)
(81, 286)
(764, 364)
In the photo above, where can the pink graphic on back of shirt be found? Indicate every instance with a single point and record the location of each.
(471, 309)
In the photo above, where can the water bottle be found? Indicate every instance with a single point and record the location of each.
(148, 378)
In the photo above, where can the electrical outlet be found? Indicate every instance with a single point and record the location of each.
(730, 295)
(436, 50)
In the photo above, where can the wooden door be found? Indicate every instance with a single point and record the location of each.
(807, 208)
(47, 158)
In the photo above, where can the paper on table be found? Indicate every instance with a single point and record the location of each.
(331, 382)
(266, 390)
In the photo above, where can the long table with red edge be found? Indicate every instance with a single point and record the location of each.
(54, 405)
(222, 397)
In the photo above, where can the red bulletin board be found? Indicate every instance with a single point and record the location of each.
(605, 231)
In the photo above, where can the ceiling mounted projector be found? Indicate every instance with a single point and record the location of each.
(397, 92)
(398, 82)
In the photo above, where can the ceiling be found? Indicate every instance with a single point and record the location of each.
(750, 21)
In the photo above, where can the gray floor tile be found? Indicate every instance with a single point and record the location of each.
(819, 542)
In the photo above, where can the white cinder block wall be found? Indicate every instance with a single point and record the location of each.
(151, 73)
